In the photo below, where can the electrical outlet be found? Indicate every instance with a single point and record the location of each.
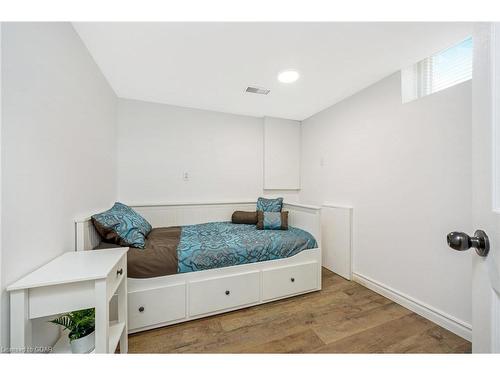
(185, 176)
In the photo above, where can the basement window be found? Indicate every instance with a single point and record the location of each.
(437, 72)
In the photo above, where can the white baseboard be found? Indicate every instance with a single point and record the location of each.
(447, 321)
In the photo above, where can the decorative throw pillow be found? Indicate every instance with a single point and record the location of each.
(122, 225)
(244, 217)
(272, 220)
(269, 205)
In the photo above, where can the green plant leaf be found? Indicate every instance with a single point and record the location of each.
(80, 323)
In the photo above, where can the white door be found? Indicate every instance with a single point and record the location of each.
(485, 188)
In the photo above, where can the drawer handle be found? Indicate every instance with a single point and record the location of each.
(141, 309)
(119, 272)
(228, 292)
(292, 279)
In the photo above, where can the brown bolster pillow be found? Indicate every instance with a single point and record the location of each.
(244, 217)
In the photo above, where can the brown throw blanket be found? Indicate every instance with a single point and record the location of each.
(158, 258)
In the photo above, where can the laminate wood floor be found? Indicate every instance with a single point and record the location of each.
(344, 317)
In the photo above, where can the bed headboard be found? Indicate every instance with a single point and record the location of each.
(86, 236)
(306, 217)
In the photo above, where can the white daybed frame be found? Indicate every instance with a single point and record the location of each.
(165, 300)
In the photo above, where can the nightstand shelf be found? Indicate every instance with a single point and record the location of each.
(116, 329)
(70, 282)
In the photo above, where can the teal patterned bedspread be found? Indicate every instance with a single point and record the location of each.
(223, 244)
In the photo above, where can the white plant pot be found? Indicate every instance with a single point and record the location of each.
(84, 344)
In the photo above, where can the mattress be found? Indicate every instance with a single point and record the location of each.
(212, 245)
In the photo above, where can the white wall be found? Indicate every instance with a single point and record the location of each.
(281, 153)
(158, 143)
(58, 145)
(406, 170)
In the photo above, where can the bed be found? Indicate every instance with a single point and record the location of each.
(196, 263)
(205, 246)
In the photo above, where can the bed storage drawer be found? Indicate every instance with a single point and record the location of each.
(289, 280)
(155, 306)
(210, 295)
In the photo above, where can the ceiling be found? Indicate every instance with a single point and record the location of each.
(209, 65)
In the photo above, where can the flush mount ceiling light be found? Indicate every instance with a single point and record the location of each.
(288, 76)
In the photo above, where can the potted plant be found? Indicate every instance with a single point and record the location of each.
(81, 326)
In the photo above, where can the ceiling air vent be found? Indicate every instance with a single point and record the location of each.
(257, 90)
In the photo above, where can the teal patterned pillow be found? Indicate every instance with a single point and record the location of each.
(272, 220)
(122, 225)
(269, 205)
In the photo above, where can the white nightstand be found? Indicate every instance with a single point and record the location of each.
(73, 281)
